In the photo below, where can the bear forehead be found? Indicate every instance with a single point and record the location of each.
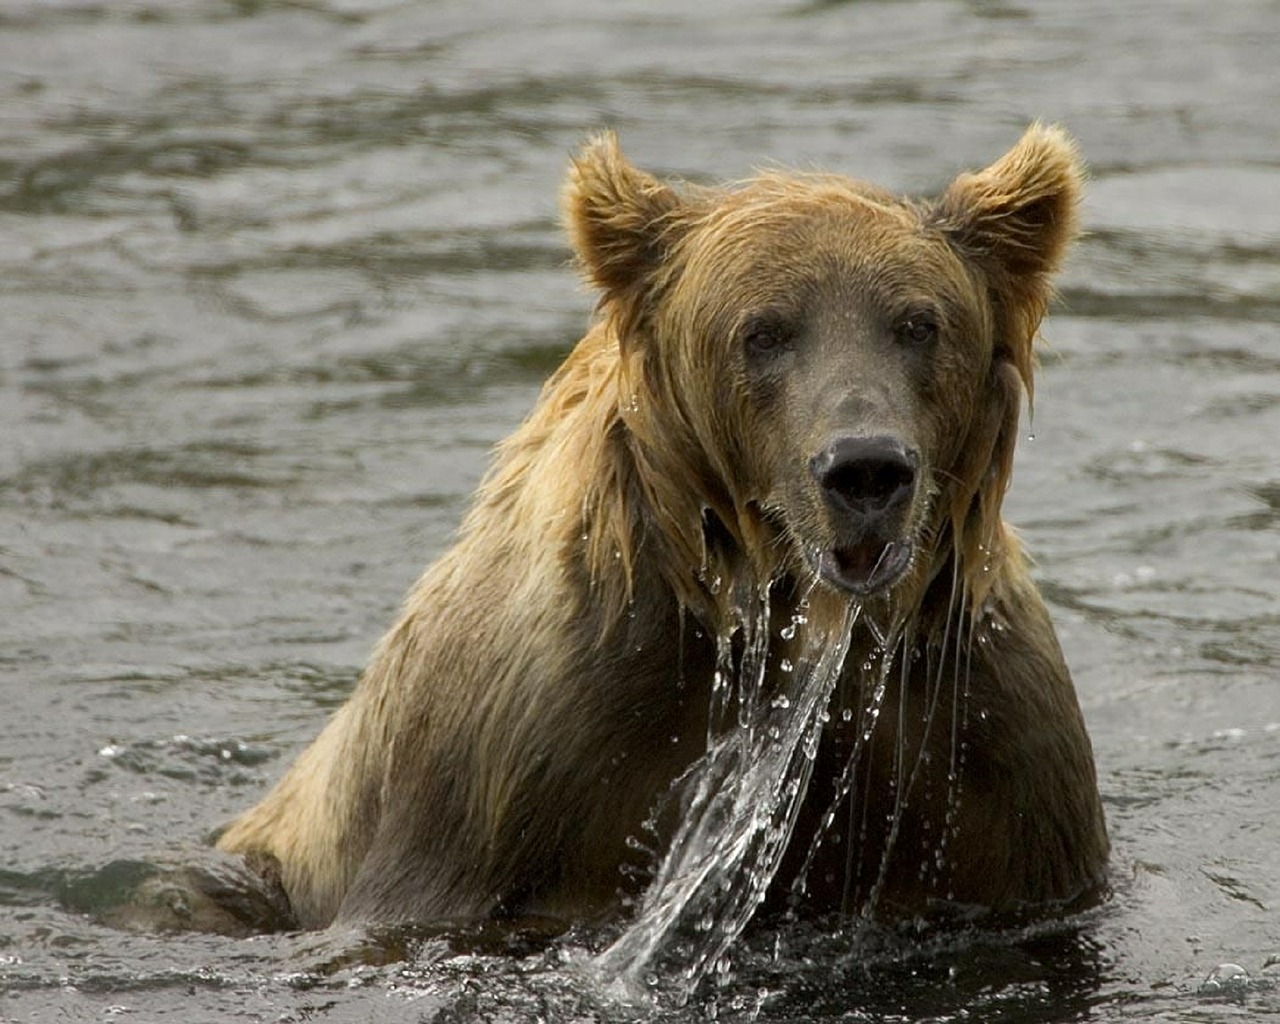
(779, 197)
(797, 235)
(792, 220)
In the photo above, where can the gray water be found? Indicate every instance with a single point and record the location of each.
(275, 276)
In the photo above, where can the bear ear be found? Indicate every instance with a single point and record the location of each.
(1015, 220)
(1021, 211)
(619, 218)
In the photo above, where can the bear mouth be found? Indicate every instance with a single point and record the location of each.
(864, 569)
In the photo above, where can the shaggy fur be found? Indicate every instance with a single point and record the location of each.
(550, 674)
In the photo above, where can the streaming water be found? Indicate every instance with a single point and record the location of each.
(738, 802)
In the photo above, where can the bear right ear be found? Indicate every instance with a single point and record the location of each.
(619, 218)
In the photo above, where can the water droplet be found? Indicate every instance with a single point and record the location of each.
(786, 665)
(1226, 978)
(846, 715)
(788, 632)
(781, 701)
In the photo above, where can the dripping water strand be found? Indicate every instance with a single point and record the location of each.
(868, 715)
(903, 781)
(737, 803)
(906, 784)
(961, 679)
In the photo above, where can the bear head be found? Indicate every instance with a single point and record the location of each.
(818, 378)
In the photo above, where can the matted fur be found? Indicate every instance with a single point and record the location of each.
(549, 676)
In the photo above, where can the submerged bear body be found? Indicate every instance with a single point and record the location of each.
(801, 386)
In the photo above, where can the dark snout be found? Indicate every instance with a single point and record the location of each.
(867, 477)
(869, 485)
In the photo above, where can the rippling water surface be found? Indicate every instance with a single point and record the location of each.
(276, 275)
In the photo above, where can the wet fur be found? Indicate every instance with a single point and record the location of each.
(549, 675)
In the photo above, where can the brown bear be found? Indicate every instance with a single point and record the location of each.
(800, 383)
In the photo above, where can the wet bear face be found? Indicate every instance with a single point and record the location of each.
(839, 368)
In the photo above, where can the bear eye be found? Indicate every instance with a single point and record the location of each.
(918, 329)
(767, 336)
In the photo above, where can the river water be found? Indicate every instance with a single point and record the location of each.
(275, 276)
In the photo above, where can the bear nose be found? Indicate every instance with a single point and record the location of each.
(865, 475)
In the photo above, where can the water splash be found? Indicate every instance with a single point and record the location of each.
(868, 714)
(737, 803)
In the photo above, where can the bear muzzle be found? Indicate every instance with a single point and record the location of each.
(868, 485)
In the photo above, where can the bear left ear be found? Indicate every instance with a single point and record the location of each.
(619, 218)
(1015, 219)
